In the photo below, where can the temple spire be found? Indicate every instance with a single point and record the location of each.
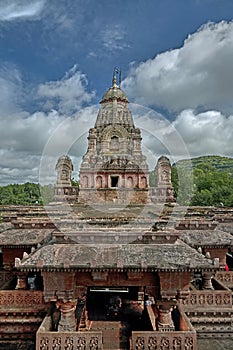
(114, 80)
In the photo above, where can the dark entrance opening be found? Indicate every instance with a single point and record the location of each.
(117, 308)
(100, 300)
(114, 181)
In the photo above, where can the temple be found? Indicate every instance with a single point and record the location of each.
(114, 169)
(114, 159)
(137, 271)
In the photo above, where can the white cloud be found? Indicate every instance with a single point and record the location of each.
(197, 75)
(191, 134)
(11, 10)
(68, 94)
(206, 133)
(24, 135)
(73, 132)
(27, 140)
(113, 38)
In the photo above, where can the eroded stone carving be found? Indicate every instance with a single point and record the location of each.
(44, 343)
(188, 343)
(94, 343)
(152, 343)
(164, 343)
(140, 343)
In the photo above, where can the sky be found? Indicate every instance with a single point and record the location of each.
(57, 59)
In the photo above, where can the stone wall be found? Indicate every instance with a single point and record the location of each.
(118, 196)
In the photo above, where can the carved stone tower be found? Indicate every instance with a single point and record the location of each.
(114, 168)
(64, 170)
(165, 191)
(63, 188)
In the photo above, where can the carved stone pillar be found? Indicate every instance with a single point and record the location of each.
(67, 322)
(21, 281)
(207, 284)
(165, 322)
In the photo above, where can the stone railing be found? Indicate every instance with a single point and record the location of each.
(183, 338)
(226, 277)
(164, 340)
(21, 298)
(47, 340)
(208, 299)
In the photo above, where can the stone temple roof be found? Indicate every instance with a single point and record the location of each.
(129, 256)
(215, 237)
(24, 237)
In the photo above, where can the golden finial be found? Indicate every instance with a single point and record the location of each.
(114, 80)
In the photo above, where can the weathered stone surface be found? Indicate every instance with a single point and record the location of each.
(25, 236)
(214, 237)
(158, 256)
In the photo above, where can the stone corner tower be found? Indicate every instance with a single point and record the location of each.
(64, 191)
(165, 191)
(114, 168)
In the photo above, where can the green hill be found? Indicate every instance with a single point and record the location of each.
(206, 180)
(218, 162)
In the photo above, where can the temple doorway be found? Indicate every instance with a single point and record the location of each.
(105, 303)
(116, 311)
(114, 181)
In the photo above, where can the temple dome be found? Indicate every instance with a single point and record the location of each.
(114, 92)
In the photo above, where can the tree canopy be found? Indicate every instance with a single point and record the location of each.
(205, 184)
(26, 194)
(205, 181)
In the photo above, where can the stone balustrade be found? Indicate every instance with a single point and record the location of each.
(208, 298)
(226, 277)
(47, 340)
(184, 338)
(164, 340)
(21, 298)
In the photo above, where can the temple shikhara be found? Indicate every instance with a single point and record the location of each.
(115, 263)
